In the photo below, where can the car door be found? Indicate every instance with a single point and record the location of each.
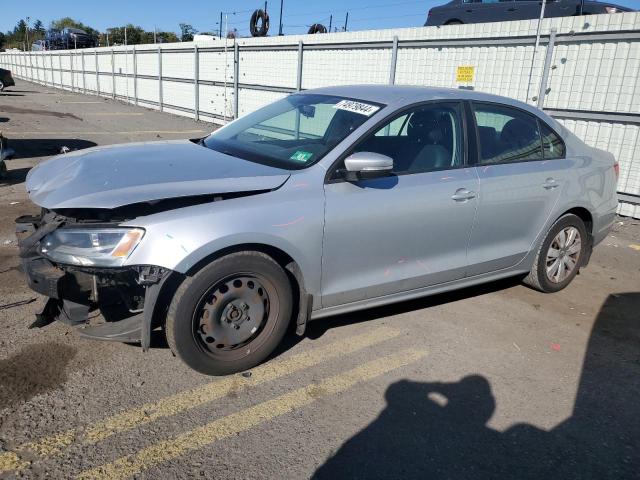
(479, 11)
(407, 230)
(525, 9)
(522, 170)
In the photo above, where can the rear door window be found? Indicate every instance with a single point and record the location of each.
(506, 134)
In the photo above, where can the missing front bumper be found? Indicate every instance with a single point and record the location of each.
(126, 297)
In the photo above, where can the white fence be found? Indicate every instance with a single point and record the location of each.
(585, 72)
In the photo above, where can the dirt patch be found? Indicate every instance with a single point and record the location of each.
(48, 113)
(36, 369)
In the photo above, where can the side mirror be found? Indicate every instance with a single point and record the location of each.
(363, 165)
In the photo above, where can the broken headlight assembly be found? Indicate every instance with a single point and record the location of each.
(91, 247)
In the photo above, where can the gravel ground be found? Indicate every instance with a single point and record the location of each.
(498, 381)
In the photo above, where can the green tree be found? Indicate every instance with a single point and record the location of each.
(38, 27)
(187, 32)
(20, 29)
(168, 37)
(135, 35)
(3, 40)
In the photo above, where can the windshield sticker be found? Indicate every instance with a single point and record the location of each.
(301, 156)
(357, 107)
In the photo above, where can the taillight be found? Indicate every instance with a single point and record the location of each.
(616, 168)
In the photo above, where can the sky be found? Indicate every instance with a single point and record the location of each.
(204, 15)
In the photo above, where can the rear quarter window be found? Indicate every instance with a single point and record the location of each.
(552, 144)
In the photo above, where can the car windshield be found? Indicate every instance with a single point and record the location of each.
(292, 133)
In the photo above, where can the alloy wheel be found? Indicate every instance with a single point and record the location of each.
(563, 254)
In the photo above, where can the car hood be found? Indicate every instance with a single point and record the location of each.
(118, 175)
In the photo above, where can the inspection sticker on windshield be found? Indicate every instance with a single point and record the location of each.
(357, 107)
(301, 156)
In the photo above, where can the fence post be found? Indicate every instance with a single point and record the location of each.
(236, 74)
(394, 61)
(84, 79)
(113, 74)
(53, 78)
(95, 58)
(135, 76)
(71, 55)
(196, 81)
(160, 102)
(299, 77)
(547, 67)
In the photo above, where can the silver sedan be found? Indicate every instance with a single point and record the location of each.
(327, 201)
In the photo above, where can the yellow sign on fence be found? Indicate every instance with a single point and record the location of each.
(465, 74)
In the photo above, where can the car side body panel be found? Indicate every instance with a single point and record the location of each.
(510, 10)
(289, 219)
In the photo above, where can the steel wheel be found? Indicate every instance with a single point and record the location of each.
(563, 254)
(233, 313)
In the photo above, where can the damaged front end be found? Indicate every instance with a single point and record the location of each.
(96, 291)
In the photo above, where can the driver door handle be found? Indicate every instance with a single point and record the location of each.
(550, 183)
(462, 195)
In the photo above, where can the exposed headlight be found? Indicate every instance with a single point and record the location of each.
(91, 247)
(611, 9)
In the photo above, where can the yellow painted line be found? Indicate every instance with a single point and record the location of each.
(9, 461)
(180, 402)
(635, 247)
(103, 132)
(246, 419)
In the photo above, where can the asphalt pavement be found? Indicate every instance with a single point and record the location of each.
(497, 381)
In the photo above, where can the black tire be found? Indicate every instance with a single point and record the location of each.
(453, 22)
(316, 28)
(259, 23)
(1, 86)
(187, 335)
(538, 277)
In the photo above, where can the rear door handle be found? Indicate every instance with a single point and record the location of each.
(462, 195)
(550, 183)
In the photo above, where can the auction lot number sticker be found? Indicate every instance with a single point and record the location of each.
(357, 107)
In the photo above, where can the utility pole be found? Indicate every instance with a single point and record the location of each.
(155, 30)
(27, 33)
(543, 4)
(330, 21)
(346, 21)
(125, 36)
(280, 29)
(220, 24)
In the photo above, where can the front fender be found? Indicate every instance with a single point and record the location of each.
(290, 220)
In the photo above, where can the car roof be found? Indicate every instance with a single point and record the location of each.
(388, 94)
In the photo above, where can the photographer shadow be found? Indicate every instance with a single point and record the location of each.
(439, 430)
